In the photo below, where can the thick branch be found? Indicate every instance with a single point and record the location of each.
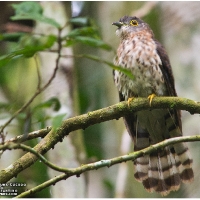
(83, 121)
(107, 163)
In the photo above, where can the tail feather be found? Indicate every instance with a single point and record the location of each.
(141, 165)
(185, 168)
(159, 166)
(174, 180)
(163, 171)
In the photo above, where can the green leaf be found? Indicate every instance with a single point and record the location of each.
(32, 45)
(32, 11)
(6, 58)
(27, 7)
(119, 68)
(70, 42)
(35, 42)
(53, 102)
(57, 121)
(80, 21)
(5, 106)
(11, 37)
(92, 42)
(29, 46)
(83, 31)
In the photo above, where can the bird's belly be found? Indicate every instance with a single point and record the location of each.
(144, 63)
(147, 80)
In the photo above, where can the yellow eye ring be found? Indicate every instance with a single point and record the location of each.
(133, 23)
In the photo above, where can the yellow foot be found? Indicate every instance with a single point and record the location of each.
(129, 100)
(150, 97)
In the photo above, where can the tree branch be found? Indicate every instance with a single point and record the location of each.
(10, 146)
(35, 134)
(107, 163)
(83, 121)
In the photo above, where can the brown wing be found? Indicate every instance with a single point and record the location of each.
(169, 78)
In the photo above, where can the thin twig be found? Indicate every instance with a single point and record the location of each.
(38, 73)
(10, 146)
(35, 134)
(109, 162)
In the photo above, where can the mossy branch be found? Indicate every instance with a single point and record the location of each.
(35, 134)
(83, 121)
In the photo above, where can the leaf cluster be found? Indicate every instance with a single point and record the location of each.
(29, 44)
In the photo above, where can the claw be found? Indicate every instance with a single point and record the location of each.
(150, 97)
(129, 100)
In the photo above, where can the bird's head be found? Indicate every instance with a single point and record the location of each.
(127, 25)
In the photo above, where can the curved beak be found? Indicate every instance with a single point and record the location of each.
(118, 24)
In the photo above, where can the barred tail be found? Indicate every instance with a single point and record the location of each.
(163, 171)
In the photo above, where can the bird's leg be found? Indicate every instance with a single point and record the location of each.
(129, 100)
(150, 97)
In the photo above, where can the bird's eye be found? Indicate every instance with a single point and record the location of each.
(133, 23)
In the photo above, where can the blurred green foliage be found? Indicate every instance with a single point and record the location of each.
(19, 78)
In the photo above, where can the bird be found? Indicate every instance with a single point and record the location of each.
(139, 52)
